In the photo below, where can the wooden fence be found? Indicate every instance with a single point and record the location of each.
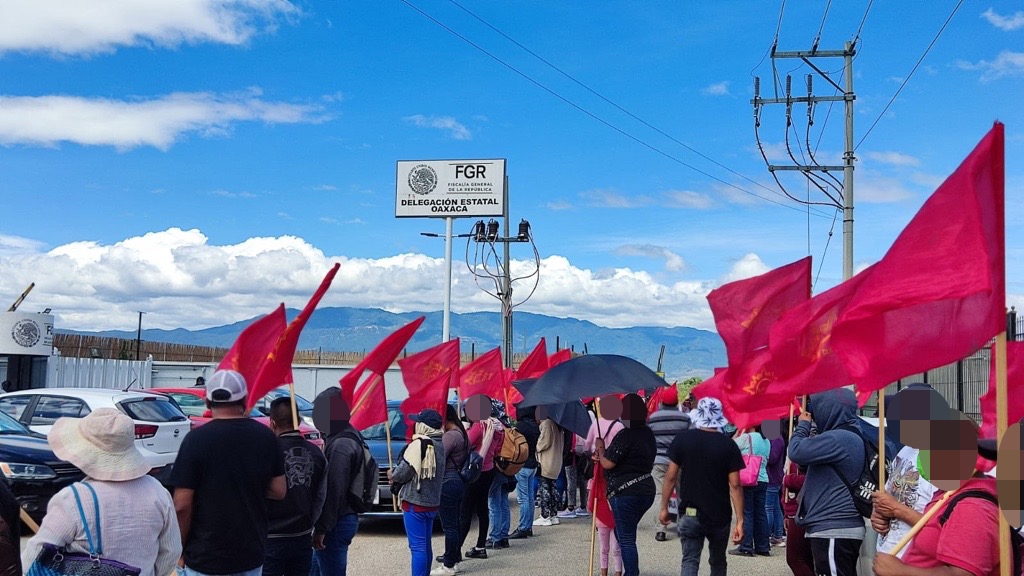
(82, 346)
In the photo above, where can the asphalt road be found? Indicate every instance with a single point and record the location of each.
(380, 549)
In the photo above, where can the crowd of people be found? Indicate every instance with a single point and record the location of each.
(248, 500)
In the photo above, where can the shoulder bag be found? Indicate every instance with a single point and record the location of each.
(57, 561)
(751, 465)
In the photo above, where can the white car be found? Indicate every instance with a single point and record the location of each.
(160, 426)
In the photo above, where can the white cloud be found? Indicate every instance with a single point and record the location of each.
(455, 130)
(748, 266)
(285, 216)
(893, 158)
(559, 205)
(1007, 63)
(717, 89)
(180, 279)
(326, 188)
(1008, 23)
(229, 194)
(125, 124)
(355, 221)
(688, 199)
(673, 262)
(611, 198)
(76, 27)
(874, 189)
(16, 245)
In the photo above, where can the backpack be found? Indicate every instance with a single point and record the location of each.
(513, 454)
(1016, 540)
(867, 481)
(470, 471)
(363, 490)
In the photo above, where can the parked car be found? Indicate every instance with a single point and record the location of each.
(192, 402)
(305, 407)
(32, 470)
(160, 426)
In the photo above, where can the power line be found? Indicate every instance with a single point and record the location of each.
(591, 114)
(825, 252)
(609, 101)
(821, 27)
(862, 21)
(914, 69)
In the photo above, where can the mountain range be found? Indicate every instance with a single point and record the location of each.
(688, 351)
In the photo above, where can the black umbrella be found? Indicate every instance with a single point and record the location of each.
(591, 375)
(572, 416)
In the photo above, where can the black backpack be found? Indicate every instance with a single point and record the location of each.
(470, 471)
(1016, 540)
(867, 481)
(362, 491)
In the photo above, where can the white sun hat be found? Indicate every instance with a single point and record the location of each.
(102, 445)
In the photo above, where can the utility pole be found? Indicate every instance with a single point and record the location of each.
(138, 338)
(506, 293)
(811, 169)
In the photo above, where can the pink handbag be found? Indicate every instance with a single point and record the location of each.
(751, 466)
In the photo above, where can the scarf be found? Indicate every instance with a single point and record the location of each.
(420, 454)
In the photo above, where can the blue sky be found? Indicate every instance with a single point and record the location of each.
(204, 159)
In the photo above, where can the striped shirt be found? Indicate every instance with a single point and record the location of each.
(139, 526)
(665, 424)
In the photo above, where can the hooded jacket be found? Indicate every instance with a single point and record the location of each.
(834, 459)
(343, 456)
(549, 449)
(528, 427)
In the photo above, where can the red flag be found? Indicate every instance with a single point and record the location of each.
(746, 309)
(421, 369)
(1014, 396)
(598, 490)
(715, 387)
(371, 403)
(254, 344)
(485, 375)
(431, 394)
(277, 370)
(939, 294)
(712, 387)
(536, 363)
(377, 362)
(558, 357)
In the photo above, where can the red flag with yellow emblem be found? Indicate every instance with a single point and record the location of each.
(485, 375)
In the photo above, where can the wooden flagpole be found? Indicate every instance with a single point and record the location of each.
(785, 491)
(295, 411)
(593, 495)
(1002, 417)
(881, 440)
(920, 523)
(28, 520)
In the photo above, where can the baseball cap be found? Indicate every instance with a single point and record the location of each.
(429, 417)
(226, 386)
(669, 396)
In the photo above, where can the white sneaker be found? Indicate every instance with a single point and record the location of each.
(442, 570)
(581, 513)
(543, 522)
(567, 514)
(555, 521)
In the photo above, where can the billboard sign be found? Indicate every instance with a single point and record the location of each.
(450, 188)
(26, 333)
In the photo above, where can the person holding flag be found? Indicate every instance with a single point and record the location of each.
(610, 553)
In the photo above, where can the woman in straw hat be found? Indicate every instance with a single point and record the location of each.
(137, 522)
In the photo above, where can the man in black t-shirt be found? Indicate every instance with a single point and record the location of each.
(710, 463)
(224, 472)
(290, 538)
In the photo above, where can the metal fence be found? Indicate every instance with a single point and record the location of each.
(962, 383)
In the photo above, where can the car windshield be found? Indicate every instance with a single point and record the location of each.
(9, 425)
(377, 431)
(301, 403)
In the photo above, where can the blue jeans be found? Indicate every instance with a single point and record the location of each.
(692, 533)
(289, 556)
(627, 511)
(499, 514)
(773, 507)
(526, 495)
(452, 492)
(418, 528)
(186, 571)
(755, 520)
(333, 559)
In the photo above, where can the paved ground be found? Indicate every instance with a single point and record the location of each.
(380, 549)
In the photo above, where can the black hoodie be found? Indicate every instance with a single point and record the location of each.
(528, 427)
(343, 455)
